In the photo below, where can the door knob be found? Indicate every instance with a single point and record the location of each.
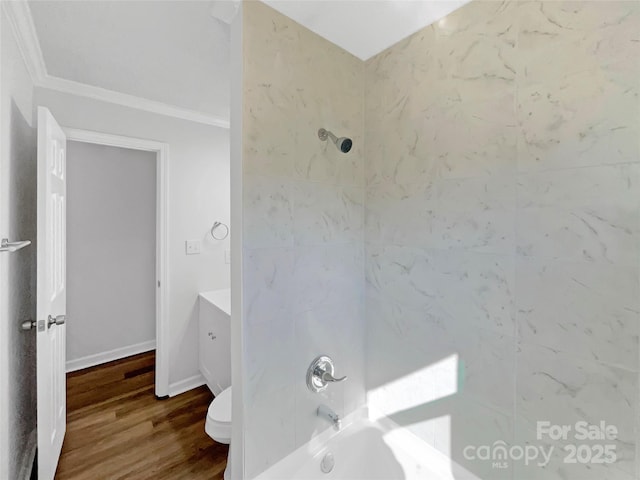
(58, 320)
(29, 324)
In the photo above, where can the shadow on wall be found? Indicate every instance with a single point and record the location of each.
(22, 286)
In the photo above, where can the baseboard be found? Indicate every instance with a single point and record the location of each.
(186, 385)
(28, 455)
(110, 356)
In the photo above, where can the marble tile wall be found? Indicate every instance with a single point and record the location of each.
(491, 238)
(502, 206)
(303, 229)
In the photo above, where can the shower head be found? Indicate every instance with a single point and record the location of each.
(343, 143)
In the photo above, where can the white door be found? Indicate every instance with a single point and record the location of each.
(52, 293)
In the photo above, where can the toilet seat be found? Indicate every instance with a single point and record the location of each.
(218, 423)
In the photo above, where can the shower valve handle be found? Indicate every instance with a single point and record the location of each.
(320, 374)
(327, 377)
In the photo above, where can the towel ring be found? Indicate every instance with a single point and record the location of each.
(216, 225)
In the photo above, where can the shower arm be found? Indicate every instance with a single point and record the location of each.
(324, 134)
(333, 138)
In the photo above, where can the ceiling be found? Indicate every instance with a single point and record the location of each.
(172, 52)
(175, 51)
(365, 27)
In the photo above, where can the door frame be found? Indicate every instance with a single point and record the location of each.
(162, 220)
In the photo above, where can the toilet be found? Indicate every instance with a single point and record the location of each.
(215, 364)
(218, 423)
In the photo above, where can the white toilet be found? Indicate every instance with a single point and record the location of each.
(215, 364)
(218, 424)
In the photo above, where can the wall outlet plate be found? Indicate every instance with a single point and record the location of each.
(192, 247)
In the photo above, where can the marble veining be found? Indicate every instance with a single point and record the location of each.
(502, 211)
(488, 215)
(470, 289)
(571, 122)
(327, 213)
(303, 231)
(554, 387)
(587, 309)
(562, 38)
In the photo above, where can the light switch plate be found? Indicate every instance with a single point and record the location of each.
(192, 247)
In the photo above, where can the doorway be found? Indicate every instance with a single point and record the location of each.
(117, 258)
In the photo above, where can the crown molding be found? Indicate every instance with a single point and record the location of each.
(24, 31)
(131, 101)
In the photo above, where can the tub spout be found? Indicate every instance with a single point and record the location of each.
(328, 414)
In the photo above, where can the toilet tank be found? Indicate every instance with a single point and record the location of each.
(215, 338)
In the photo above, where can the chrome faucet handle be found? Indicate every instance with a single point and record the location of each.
(327, 377)
(320, 374)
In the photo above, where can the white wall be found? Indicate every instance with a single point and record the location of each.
(111, 252)
(17, 270)
(198, 195)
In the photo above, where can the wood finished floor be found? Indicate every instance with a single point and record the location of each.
(117, 429)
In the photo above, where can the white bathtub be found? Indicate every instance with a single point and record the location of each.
(367, 450)
(215, 338)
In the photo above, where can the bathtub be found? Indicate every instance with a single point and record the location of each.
(367, 450)
(214, 356)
